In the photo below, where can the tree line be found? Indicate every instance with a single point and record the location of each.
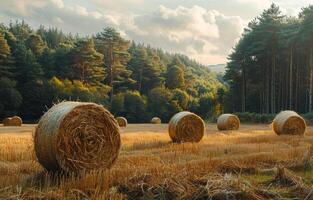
(271, 67)
(39, 67)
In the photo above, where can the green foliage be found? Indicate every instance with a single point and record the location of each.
(114, 48)
(36, 44)
(208, 106)
(135, 106)
(132, 80)
(181, 97)
(26, 65)
(255, 118)
(86, 63)
(10, 98)
(160, 103)
(117, 107)
(175, 77)
(271, 67)
(5, 52)
(146, 69)
(76, 90)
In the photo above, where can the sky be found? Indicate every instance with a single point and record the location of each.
(205, 30)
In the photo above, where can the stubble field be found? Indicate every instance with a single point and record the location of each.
(252, 163)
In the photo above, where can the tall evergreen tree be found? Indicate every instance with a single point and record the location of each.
(175, 77)
(36, 44)
(87, 63)
(5, 52)
(114, 48)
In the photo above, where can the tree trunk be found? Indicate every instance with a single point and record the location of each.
(290, 77)
(267, 96)
(111, 63)
(311, 81)
(243, 88)
(273, 101)
(140, 80)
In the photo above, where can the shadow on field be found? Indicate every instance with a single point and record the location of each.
(46, 179)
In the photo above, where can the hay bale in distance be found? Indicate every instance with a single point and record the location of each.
(122, 121)
(289, 123)
(12, 121)
(228, 122)
(76, 137)
(186, 127)
(6, 121)
(16, 121)
(156, 120)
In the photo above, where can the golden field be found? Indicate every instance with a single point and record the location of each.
(252, 163)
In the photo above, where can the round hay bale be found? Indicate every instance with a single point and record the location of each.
(228, 122)
(6, 121)
(156, 120)
(16, 121)
(289, 123)
(186, 127)
(76, 137)
(122, 121)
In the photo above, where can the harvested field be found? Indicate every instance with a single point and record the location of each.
(251, 163)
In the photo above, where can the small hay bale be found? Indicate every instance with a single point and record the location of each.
(156, 120)
(122, 121)
(228, 122)
(6, 121)
(186, 127)
(289, 123)
(77, 137)
(16, 121)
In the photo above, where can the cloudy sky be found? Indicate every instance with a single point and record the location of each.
(205, 30)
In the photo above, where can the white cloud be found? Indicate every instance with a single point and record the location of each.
(195, 31)
(58, 3)
(203, 29)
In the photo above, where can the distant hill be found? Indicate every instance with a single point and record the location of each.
(219, 68)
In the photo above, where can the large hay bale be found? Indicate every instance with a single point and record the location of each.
(228, 122)
(6, 121)
(156, 120)
(16, 121)
(122, 121)
(75, 137)
(186, 127)
(289, 123)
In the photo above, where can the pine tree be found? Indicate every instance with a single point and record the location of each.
(175, 77)
(36, 44)
(5, 52)
(87, 63)
(26, 65)
(114, 48)
(146, 69)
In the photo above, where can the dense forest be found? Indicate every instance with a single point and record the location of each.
(43, 66)
(271, 67)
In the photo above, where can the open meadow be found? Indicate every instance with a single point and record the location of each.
(252, 163)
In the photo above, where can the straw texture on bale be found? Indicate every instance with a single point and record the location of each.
(6, 121)
(12, 121)
(156, 120)
(289, 123)
(228, 122)
(186, 127)
(16, 121)
(122, 121)
(76, 137)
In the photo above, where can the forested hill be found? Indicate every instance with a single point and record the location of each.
(43, 66)
(271, 68)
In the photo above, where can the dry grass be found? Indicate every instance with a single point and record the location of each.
(224, 165)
